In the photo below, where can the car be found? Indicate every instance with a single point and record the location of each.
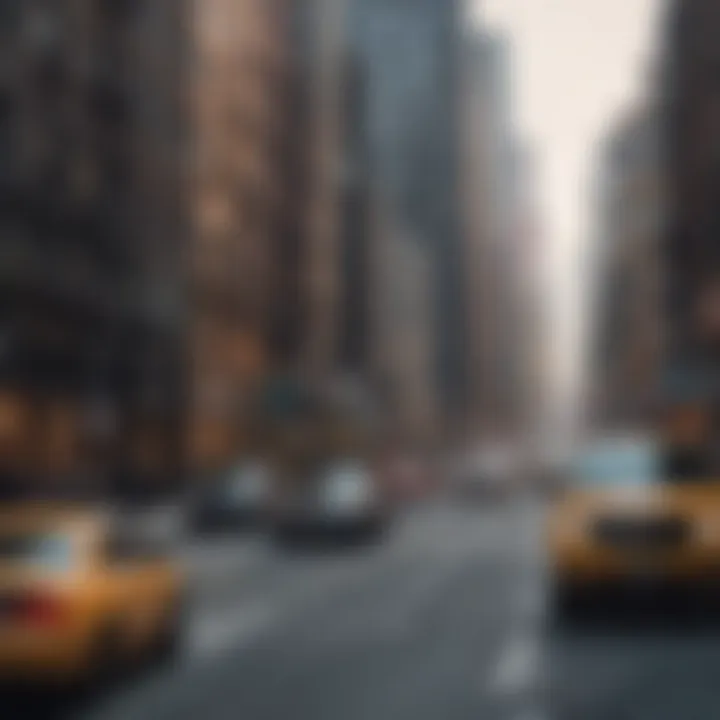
(237, 500)
(485, 473)
(82, 598)
(341, 500)
(630, 521)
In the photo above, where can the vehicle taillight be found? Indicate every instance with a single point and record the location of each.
(40, 609)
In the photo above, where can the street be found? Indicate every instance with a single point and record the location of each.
(446, 619)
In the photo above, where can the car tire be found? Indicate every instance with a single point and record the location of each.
(107, 664)
(284, 535)
(567, 603)
(376, 530)
(200, 526)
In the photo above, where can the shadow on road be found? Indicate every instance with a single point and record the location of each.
(327, 546)
(43, 704)
(642, 616)
(32, 702)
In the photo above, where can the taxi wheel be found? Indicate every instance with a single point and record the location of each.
(567, 603)
(108, 661)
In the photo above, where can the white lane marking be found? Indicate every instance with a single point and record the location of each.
(517, 667)
(212, 634)
(217, 633)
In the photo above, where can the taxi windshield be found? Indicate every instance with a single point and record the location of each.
(621, 465)
(52, 551)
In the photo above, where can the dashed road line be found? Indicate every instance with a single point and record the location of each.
(214, 634)
(517, 668)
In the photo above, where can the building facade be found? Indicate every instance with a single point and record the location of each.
(410, 52)
(322, 72)
(239, 93)
(91, 128)
(495, 208)
(402, 308)
(691, 141)
(144, 197)
(628, 299)
(527, 338)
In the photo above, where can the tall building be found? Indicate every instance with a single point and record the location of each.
(401, 307)
(143, 198)
(410, 52)
(627, 259)
(354, 318)
(94, 239)
(527, 339)
(323, 319)
(495, 179)
(691, 143)
(336, 289)
(322, 75)
(238, 99)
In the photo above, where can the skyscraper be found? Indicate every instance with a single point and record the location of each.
(627, 266)
(690, 138)
(494, 198)
(410, 51)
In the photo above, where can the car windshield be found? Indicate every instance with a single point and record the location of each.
(51, 551)
(246, 481)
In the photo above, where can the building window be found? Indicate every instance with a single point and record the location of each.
(6, 139)
(44, 32)
(110, 102)
(126, 9)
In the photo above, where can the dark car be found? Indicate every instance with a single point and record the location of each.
(237, 500)
(340, 501)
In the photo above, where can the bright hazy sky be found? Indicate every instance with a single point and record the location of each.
(578, 65)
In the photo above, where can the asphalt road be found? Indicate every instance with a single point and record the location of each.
(447, 619)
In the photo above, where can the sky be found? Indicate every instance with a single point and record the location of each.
(579, 65)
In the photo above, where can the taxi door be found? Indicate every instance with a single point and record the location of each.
(145, 588)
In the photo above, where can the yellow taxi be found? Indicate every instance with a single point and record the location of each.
(632, 519)
(81, 597)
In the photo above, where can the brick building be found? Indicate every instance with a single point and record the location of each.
(239, 96)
